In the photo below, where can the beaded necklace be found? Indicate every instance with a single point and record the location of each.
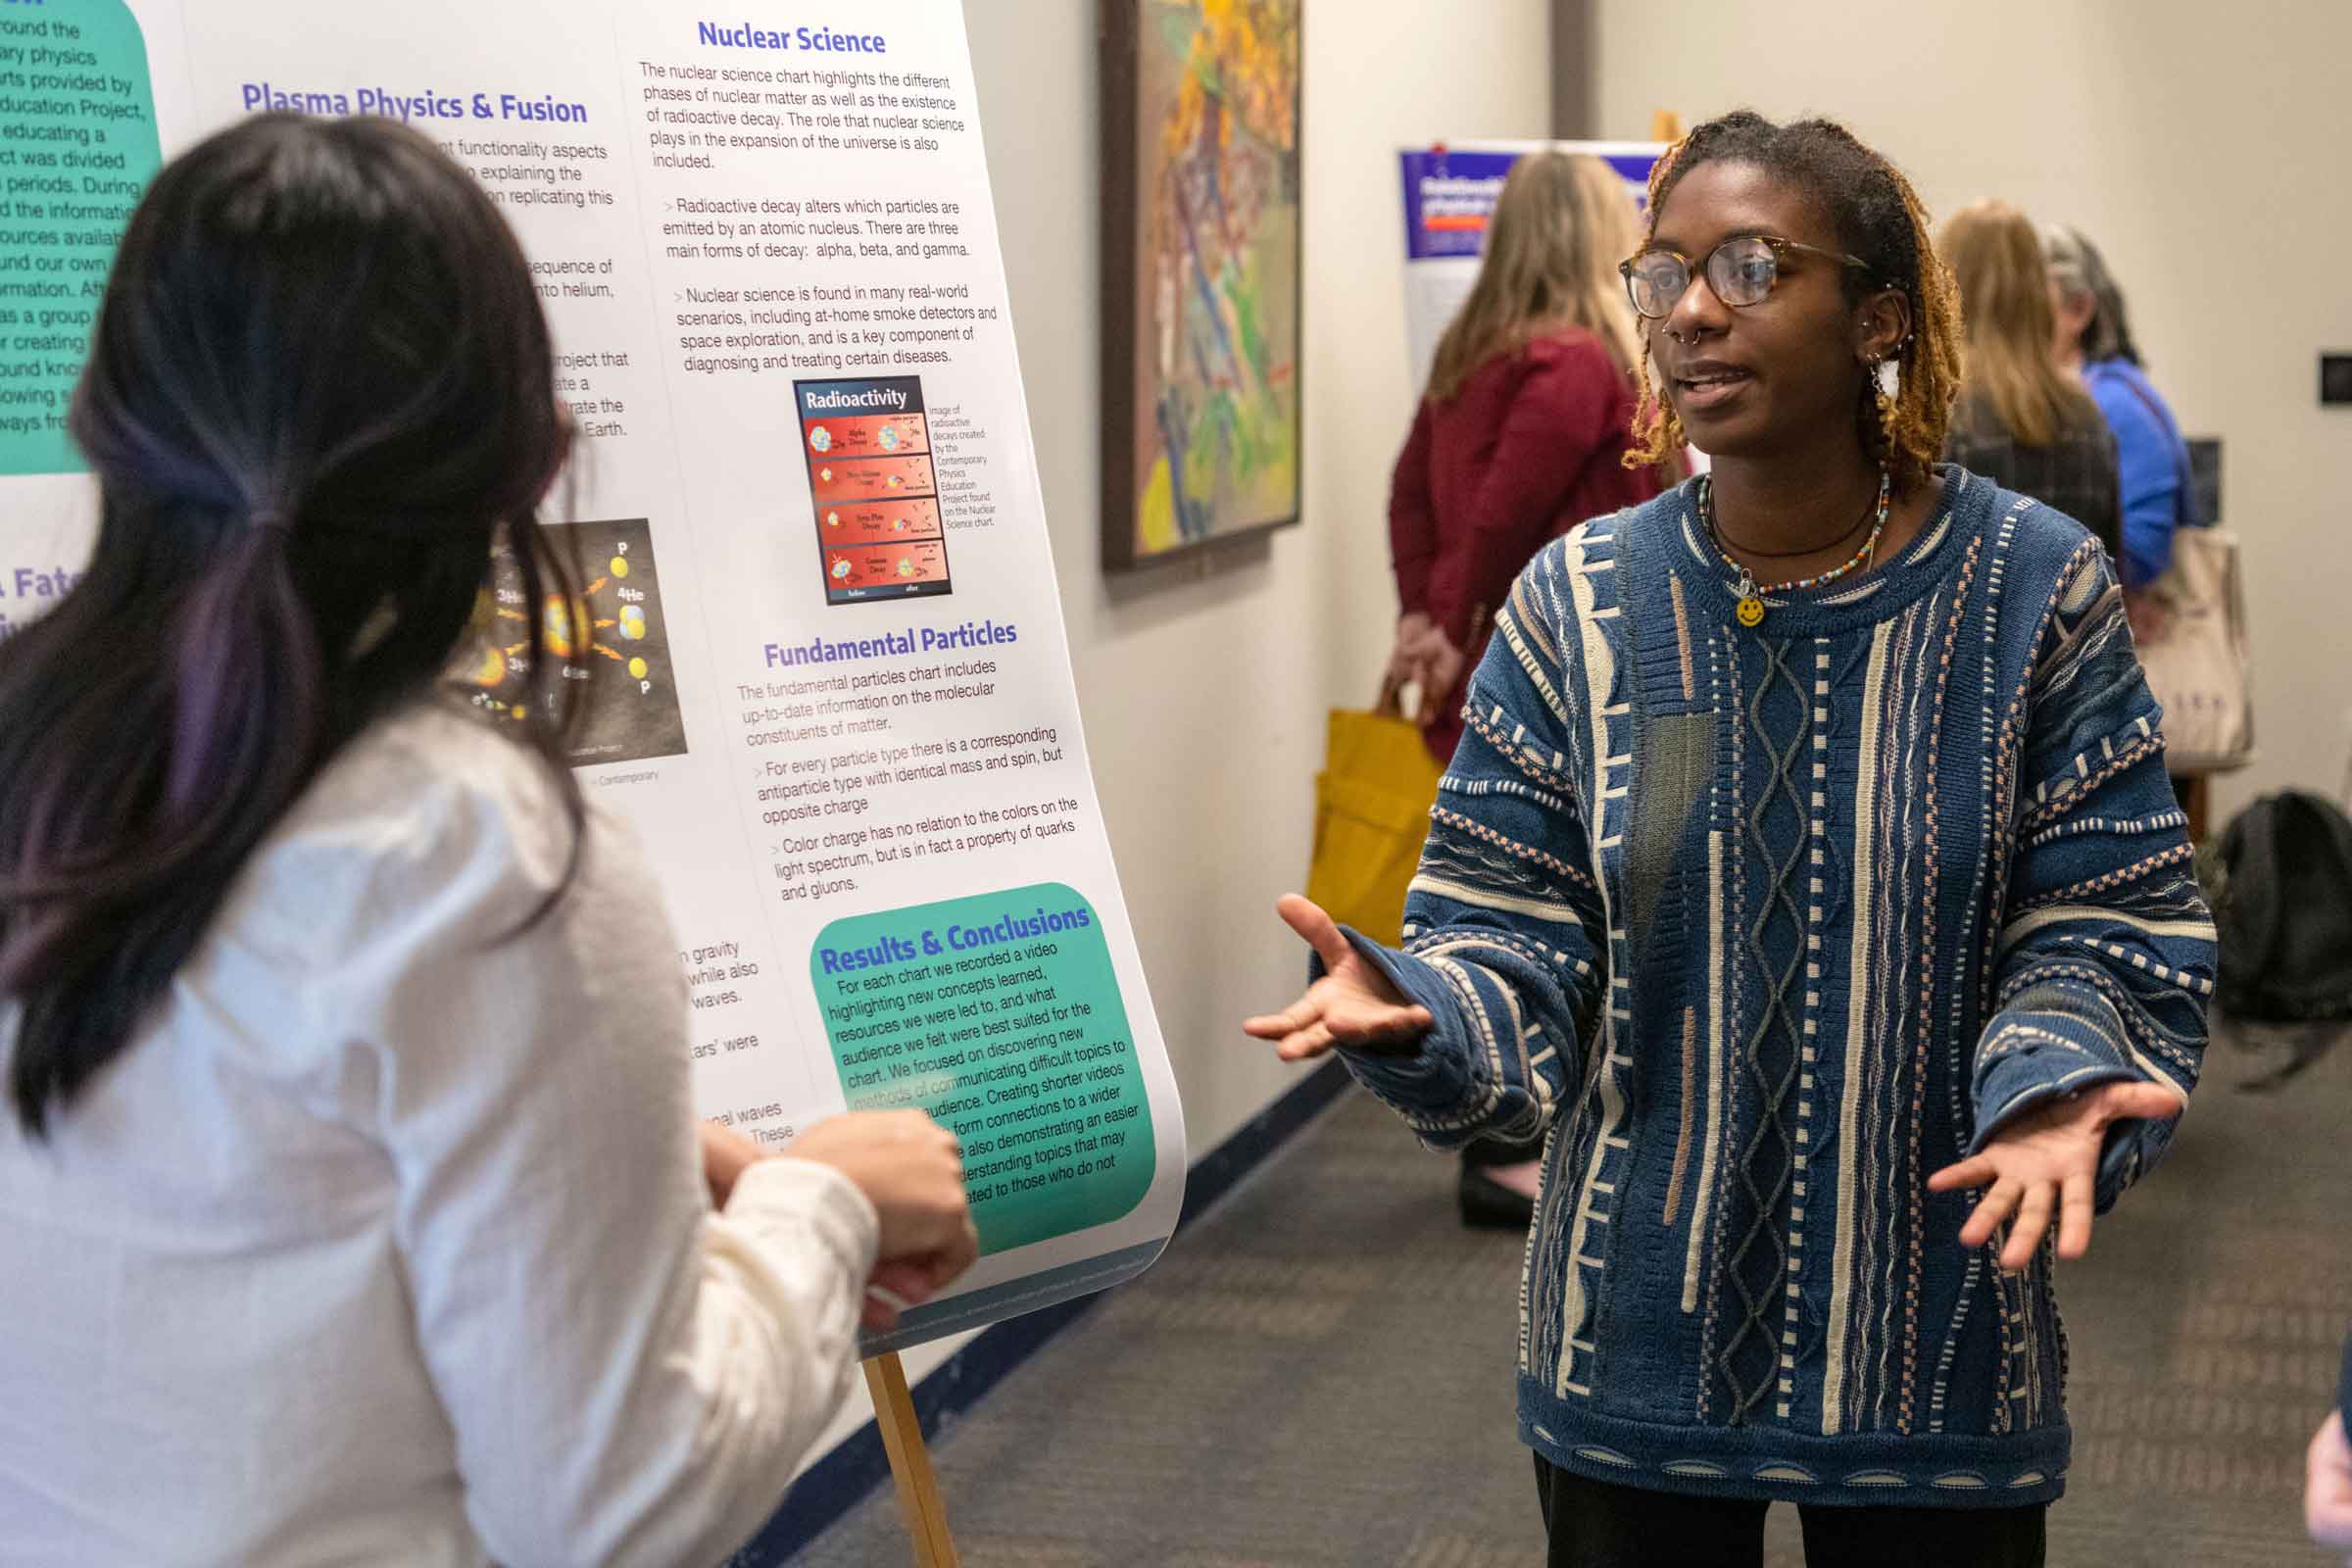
(1749, 593)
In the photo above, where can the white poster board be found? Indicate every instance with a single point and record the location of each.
(828, 679)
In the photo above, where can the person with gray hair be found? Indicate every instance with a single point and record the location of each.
(2094, 342)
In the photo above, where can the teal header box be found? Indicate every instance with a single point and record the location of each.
(78, 146)
(1000, 1015)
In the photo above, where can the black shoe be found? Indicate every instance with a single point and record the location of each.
(1488, 1206)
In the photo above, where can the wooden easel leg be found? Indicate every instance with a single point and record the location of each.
(910, 1463)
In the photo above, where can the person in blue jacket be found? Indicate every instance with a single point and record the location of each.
(1808, 875)
(2094, 342)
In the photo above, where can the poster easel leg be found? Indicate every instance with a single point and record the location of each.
(910, 1463)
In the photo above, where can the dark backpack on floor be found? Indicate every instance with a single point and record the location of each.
(2284, 913)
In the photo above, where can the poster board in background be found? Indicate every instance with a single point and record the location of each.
(767, 250)
(1449, 191)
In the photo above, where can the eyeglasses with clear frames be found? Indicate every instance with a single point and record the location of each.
(1742, 271)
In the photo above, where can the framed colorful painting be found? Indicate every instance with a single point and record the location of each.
(1201, 260)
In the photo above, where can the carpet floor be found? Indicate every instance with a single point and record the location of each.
(1318, 1374)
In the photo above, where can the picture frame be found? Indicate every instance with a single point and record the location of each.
(1203, 276)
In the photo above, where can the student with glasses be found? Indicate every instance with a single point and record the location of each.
(1808, 872)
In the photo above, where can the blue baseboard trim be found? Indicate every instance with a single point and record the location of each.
(841, 1478)
(1218, 1171)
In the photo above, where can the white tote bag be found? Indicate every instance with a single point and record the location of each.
(2196, 662)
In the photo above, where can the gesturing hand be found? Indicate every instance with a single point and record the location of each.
(1352, 1005)
(2047, 1163)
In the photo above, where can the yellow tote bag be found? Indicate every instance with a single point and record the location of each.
(1372, 803)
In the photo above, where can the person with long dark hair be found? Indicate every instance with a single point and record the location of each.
(1808, 872)
(350, 1192)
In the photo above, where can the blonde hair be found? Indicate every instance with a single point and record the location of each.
(2010, 367)
(1560, 225)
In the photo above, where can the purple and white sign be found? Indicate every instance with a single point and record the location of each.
(1449, 193)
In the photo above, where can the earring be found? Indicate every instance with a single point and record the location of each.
(1889, 375)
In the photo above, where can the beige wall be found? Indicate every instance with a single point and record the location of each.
(1204, 700)
(2200, 146)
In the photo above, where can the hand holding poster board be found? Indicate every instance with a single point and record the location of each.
(815, 618)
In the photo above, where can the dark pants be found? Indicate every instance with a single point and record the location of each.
(1593, 1525)
(1480, 1152)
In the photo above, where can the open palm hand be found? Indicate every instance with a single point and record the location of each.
(1353, 1005)
(2043, 1169)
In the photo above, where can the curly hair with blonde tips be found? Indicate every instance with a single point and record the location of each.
(1880, 218)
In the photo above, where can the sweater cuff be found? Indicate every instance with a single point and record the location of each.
(809, 1197)
(2054, 1038)
(2049, 1045)
(1428, 1084)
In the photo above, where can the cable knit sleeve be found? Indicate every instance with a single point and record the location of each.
(2105, 961)
(1502, 932)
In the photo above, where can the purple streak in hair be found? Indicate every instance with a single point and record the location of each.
(246, 700)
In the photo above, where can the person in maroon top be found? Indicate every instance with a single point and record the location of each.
(1520, 436)
(1522, 431)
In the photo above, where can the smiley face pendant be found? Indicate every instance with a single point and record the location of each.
(1749, 610)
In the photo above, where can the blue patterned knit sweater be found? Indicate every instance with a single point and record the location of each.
(1766, 926)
